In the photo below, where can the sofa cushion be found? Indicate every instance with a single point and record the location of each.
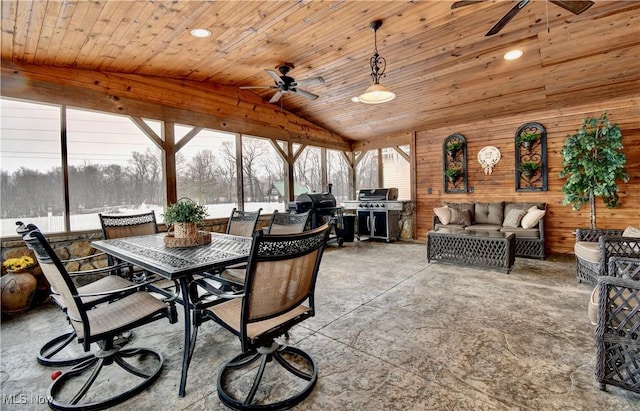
(522, 232)
(522, 206)
(587, 250)
(462, 217)
(513, 218)
(483, 227)
(489, 213)
(443, 213)
(462, 206)
(534, 214)
(439, 227)
(631, 232)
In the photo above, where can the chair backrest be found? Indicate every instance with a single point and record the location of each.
(281, 275)
(243, 223)
(56, 274)
(117, 226)
(288, 223)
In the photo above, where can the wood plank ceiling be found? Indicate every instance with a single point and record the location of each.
(439, 63)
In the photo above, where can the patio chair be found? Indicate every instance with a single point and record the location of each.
(594, 248)
(52, 353)
(118, 226)
(281, 223)
(618, 330)
(243, 223)
(278, 294)
(100, 324)
(288, 223)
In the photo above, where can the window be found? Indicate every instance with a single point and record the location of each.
(338, 174)
(367, 170)
(206, 170)
(262, 176)
(113, 168)
(32, 183)
(307, 170)
(396, 171)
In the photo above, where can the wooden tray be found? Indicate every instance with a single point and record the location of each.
(202, 238)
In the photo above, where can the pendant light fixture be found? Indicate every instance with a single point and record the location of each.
(376, 93)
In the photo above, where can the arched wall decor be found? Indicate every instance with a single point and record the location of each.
(454, 164)
(531, 157)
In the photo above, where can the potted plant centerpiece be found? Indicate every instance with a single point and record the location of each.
(453, 174)
(528, 138)
(529, 168)
(184, 216)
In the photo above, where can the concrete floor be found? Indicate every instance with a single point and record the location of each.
(391, 333)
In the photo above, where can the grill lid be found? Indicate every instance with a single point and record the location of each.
(378, 194)
(317, 200)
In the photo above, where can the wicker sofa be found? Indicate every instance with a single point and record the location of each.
(595, 247)
(492, 216)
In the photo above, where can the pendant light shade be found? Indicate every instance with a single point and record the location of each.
(376, 93)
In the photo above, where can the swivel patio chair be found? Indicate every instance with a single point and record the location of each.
(618, 330)
(85, 386)
(53, 353)
(281, 223)
(278, 294)
(594, 248)
(118, 226)
(243, 223)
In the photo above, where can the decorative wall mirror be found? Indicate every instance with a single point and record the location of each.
(531, 157)
(454, 164)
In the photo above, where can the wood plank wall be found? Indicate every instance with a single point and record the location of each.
(561, 221)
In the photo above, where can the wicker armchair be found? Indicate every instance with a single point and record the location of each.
(129, 371)
(618, 330)
(278, 294)
(594, 248)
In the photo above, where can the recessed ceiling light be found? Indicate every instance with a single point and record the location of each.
(513, 54)
(200, 33)
(355, 99)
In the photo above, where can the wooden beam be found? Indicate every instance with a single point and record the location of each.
(148, 131)
(169, 159)
(239, 172)
(188, 137)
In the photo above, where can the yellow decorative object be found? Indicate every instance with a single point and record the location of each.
(20, 263)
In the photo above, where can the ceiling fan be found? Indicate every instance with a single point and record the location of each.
(285, 84)
(575, 7)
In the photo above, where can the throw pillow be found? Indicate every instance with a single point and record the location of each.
(513, 218)
(444, 214)
(631, 232)
(461, 217)
(534, 214)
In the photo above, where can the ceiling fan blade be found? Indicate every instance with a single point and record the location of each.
(507, 18)
(458, 4)
(249, 87)
(304, 93)
(575, 7)
(308, 81)
(276, 97)
(275, 76)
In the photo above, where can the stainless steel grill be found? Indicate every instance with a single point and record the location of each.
(379, 213)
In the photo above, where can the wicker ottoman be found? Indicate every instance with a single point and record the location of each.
(491, 249)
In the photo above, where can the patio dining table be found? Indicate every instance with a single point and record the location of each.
(150, 253)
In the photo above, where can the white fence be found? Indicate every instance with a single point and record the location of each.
(81, 222)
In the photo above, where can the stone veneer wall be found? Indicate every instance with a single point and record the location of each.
(406, 221)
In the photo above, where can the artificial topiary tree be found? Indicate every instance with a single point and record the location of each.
(593, 161)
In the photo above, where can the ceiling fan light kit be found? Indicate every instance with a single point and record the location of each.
(376, 93)
(285, 84)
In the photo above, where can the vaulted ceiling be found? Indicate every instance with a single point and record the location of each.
(440, 64)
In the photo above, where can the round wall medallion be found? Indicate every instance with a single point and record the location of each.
(488, 157)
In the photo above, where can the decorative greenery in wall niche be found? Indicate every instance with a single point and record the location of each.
(531, 157)
(593, 161)
(454, 164)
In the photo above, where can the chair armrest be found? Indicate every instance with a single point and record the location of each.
(88, 257)
(592, 235)
(624, 267)
(617, 247)
(436, 220)
(619, 307)
(104, 270)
